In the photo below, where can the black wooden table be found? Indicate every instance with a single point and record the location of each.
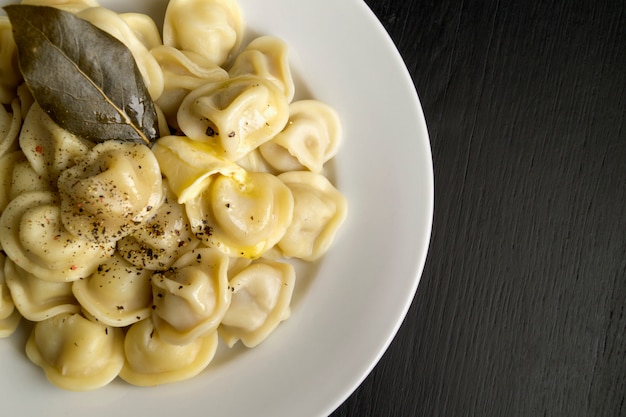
(521, 310)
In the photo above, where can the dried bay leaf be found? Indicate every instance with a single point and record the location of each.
(84, 78)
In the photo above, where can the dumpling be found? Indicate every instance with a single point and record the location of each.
(26, 99)
(10, 125)
(161, 240)
(151, 361)
(144, 28)
(75, 353)
(112, 23)
(267, 57)
(191, 298)
(10, 75)
(8, 162)
(37, 299)
(254, 162)
(9, 324)
(67, 5)
(9, 316)
(6, 301)
(116, 187)
(310, 138)
(260, 301)
(34, 237)
(319, 211)
(49, 148)
(190, 165)
(24, 179)
(183, 71)
(212, 28)
(236, 115)
(242, 218)
(117, 294)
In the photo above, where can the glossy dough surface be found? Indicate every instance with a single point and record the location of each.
(76, 353)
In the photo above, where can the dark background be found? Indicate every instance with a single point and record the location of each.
(521, 310)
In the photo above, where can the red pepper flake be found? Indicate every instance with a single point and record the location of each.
(73, 267)
(39, 149)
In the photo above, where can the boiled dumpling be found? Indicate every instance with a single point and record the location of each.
(191, 298)
(112, 23)
(242, 218)
(261, 296)
(189, 165)
(151, 361)
(37, 299)
(267, 57)
(67, 5)
(116, 294)
(10, 125)
(116, 187)
(6, 301)
(162, 239)
(236, 115)
(8, 163)
(9, 324)
(26, 99)
(9, 315)
(183, 72)
(319, 210)
(211, 28)
(24, 179)
(34, 237)
(49, 148)
(310, 139)
(144, 28)
(10, 75)
(254, 162)
(75, 353)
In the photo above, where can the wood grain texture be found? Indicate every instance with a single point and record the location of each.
(521, 310)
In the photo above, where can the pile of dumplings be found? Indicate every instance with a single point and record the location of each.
(135, 261)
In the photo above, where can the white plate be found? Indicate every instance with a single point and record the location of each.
(345, 317)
